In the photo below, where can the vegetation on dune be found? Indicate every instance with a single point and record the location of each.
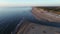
(51, 9)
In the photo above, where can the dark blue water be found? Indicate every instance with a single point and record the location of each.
(9, 12)
(10, 17)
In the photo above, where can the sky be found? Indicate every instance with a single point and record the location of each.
(29, 2)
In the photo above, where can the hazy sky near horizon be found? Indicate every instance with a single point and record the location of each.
(28, 2)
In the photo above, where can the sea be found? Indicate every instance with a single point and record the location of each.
(7, 12)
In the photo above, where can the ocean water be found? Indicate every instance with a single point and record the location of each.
(10, 17)
(11, 9)
(11, 12)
